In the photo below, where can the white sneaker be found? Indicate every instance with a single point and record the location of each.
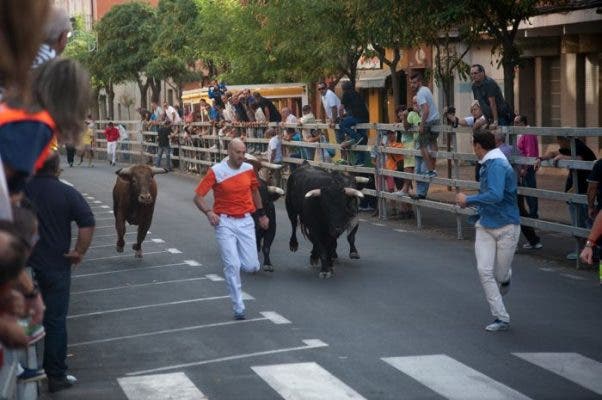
(498, 325)
(530, 246)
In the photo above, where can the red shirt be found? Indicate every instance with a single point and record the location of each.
(112, 134)
(232, 188)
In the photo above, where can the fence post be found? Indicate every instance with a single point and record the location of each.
(379, 179)
(456, 175)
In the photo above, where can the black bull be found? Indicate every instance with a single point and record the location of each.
(325, 204)
(269, 194)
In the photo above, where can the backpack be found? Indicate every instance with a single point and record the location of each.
(123, 134)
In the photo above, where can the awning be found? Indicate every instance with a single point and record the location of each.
(372, 78)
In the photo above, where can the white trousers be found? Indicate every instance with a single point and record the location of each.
(238, 249)
(111, 149)
(494, 250)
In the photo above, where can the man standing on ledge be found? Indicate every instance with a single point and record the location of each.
(236, 197)
(497, 226)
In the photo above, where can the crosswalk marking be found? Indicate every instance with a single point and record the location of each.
(305, 381)
(572, 366)
(452, 379)
(160, 387)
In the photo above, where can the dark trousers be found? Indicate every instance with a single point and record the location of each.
(528, 231)
(55, 287)
(70, 154)
(529, 181)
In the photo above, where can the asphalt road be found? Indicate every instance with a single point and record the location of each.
(406, 321)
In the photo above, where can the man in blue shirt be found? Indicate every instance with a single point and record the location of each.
(497, 226)
(57, 205)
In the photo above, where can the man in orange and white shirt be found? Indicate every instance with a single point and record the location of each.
(236, 197)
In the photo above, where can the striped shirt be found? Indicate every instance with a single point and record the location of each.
(232, 188)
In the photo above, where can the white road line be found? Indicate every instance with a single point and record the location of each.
(275, 317)
(308, 344)
(113, 244)
(105, 226)
(452, 379)
(104, 219)
(574, 277)
(123, 255)
(128, 270)
(90, 197)
(103, 212)
(305, 381)
(84, 194)
(546, 269)
(214, 277)
(166, 331)
(97, 202)
(139, 285)
(572, 366)
(173, 251)
(400, 230)
(193, 263)
(171, 303)
(362, 220)
(377, 224)
(157, 240)
(160, 387)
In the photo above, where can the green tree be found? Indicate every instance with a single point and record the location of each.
(125, 47)
(175, 43)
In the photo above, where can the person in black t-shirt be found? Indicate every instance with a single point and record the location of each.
(163, 137)
(579, 214)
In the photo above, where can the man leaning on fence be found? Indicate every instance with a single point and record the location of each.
(497, 225)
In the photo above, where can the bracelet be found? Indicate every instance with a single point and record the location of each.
(34, 292)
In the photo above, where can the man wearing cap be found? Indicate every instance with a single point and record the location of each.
(236, 197)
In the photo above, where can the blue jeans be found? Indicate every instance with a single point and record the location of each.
(359, 136)
(55, 287)
(422, 188)
(579, 215)
(532, 202)
(160, 151)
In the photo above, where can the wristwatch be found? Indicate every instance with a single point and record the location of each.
(589, 243)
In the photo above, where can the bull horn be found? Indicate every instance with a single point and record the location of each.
(270, 165)
(157, 170)
(250, 157)
(123, 171)
(313, 193)
(353, 192)
(362, 179)
(275, 189)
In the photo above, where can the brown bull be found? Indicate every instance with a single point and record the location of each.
(134, 196)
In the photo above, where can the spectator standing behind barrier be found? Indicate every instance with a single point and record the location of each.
(112, 135)
(330, 102)
(236, 197)
(528, 147)
(163, 141)
(427, 138)
(497, 225)
(275, 153)
(310, 135)
(408, 140)
(577, 211)
(594, 190)
(58, 205)
(356, 112)
(269, 109)
(487, 91)
(533, 241)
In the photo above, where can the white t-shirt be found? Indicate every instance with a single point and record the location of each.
(172, 115)
(423, 96)
(275, 147)
(291, 119)
(259, 115)
(330, 100)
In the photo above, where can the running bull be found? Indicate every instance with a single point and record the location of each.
(134, 196)
(269, 194)
(325, 205)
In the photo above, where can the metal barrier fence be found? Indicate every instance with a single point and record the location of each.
(204, 144)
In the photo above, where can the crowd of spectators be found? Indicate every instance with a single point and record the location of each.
(43, 105)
